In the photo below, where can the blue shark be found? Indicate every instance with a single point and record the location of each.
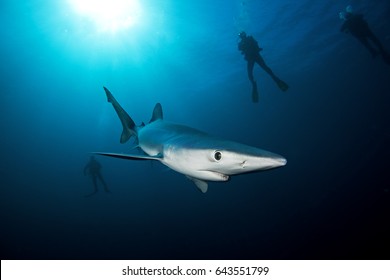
(196, 154)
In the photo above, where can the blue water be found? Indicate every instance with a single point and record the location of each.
(331, 201)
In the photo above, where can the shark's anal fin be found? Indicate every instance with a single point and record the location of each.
(130, 157)
(201, 185)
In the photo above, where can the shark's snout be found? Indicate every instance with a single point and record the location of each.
(280, 161)
(275, 161)
(252, 159)
(264, 162)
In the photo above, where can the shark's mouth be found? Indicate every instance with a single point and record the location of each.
(214, 176)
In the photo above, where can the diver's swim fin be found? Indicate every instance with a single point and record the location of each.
(282, 85)
(255, 93)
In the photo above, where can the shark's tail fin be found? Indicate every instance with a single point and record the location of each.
(129, 128)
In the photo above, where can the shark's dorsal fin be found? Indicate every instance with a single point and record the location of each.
(157, 113)
(200, 184)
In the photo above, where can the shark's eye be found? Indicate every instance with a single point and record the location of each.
(217, 156)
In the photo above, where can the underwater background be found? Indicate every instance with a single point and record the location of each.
(331, 200)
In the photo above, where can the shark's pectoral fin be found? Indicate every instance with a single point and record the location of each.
(131, 157)
(201, 185)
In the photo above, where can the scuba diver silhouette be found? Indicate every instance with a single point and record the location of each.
(92, 168)
(358, 27)
(251, 51)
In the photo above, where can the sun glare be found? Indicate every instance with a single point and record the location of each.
(109, 15)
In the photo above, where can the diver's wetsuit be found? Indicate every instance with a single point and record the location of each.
(251, 51)
(358, 27)
(93, 168)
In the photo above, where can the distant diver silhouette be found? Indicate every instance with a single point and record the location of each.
(358, 27)
(92, 168)
(251, 51)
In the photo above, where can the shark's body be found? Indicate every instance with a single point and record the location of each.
(199, 156)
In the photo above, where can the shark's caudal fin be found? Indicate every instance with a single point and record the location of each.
(129, 128)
